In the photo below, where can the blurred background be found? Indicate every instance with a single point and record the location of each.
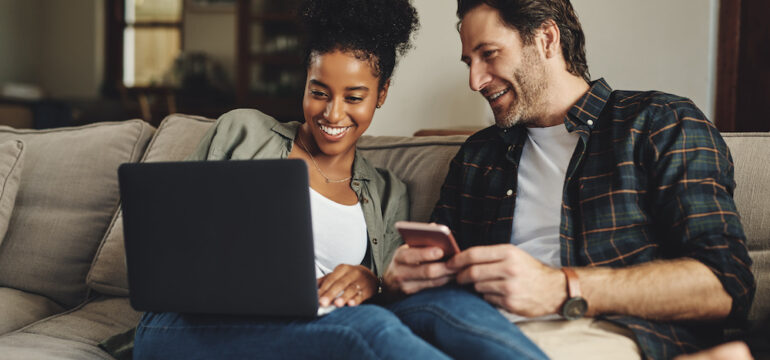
(73, 62)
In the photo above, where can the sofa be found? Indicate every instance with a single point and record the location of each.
(63, 287)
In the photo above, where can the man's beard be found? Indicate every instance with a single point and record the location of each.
(530, 91)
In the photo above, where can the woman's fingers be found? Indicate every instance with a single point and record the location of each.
(347, 285)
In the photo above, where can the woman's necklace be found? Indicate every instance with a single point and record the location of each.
(317, 167)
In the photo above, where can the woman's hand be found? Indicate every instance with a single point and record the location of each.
(355, 282)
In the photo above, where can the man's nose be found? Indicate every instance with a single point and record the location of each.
(479, 76)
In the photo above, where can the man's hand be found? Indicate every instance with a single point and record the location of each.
(353, 283)
(511, 279)
(415, 269)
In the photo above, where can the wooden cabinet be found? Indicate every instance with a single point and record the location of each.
(271, 76)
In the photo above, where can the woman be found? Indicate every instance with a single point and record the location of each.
(351, 54)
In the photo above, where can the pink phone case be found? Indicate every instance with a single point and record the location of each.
(418, 234)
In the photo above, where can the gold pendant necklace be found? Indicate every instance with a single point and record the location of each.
(316, 164)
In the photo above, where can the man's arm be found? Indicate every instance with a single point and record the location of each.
(682, 289)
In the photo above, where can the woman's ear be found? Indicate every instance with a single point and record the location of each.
(383, 94)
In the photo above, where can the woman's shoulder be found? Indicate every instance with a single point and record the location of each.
(246, 119)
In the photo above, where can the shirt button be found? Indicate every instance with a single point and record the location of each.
(374, 241)
(510, 147)
(590, 122)
(355, 183)
(366, 201)
(509, 192)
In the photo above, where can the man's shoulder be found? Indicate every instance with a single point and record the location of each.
(481, 143)
(652, 109)
(651, 100)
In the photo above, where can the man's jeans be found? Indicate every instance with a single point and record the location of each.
(463, 325)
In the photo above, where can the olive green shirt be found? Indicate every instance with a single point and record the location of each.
(245, 134)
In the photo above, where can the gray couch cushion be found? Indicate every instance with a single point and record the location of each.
(421, 162)
(11, 162)
(72, 335)
(177, 136)
(750, 152)
(19, 308)
(68, 194)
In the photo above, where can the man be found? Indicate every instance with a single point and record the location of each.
(611, 207)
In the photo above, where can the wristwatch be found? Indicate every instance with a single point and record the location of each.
(575, 306)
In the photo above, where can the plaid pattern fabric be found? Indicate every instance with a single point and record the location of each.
(650, 179)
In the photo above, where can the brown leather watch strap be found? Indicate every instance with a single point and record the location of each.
(573, 283)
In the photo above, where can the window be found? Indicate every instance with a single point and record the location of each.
(152, 40)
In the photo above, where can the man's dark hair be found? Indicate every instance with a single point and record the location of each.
(526, 16)
(372, 30)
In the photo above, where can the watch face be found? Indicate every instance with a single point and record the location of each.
(574, 308)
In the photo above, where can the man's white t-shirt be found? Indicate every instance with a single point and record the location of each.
(537, 214)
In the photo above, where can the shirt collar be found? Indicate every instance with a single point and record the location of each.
(583, 115)
(587, 109)
(362, 170)
(287, 129)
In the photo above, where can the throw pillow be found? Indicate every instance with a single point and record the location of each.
(11, 156)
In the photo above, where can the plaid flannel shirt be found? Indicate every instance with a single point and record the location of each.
(651, 178)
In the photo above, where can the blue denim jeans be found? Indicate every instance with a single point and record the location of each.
(463, 325)
(360, 332)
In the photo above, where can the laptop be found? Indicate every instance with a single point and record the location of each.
(219, 237)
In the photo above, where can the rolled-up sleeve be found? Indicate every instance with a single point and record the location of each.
(693, 191)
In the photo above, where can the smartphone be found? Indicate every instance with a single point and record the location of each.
(417, 234)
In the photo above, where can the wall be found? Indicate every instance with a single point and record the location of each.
(56, 44)
(215, 34)
(19, 40)
(72, 47)
(653, 44)
(430, 85)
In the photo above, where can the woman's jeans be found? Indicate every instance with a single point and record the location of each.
(454, 323)
(360, 332)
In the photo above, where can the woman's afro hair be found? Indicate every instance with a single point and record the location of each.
(373, 30)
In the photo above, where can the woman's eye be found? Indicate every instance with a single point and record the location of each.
(317, 93)
(354, 99)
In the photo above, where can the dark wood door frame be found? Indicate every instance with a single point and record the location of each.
(743, 66)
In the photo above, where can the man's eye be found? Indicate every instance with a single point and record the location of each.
(489, 53)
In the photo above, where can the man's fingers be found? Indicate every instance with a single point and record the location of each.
(416, 256)
(480, 255)
(495, 299)
(412, 287)
(482, 273)
(494, 287)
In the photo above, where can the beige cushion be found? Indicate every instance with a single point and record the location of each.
(19, 308)
(71, 335)
(68, 194)
(11, 161)
(177, 136)
(750, 152)
(421, 162)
